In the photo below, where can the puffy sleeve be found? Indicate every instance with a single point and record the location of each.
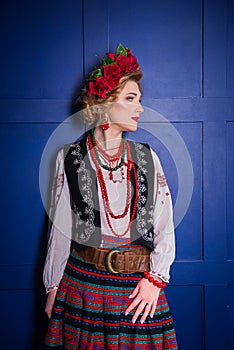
(59, 240)
(164, 240)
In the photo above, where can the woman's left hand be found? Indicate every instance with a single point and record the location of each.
(145, 298)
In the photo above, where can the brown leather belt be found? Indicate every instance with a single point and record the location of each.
(117, 261)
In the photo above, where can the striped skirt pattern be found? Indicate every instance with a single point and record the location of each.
(89, 313)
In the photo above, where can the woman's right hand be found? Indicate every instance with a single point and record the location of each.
(50, 302)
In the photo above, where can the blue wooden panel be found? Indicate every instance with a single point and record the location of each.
(169, 54)
(215, 37)
(163, 139)
(230, 189)
(191, 109)
(189, 233)
(217, 317)
(215, 244)
(230, 49)
(24, 274)
(230, 307)
(21, 324)
(187, 306)
(24, 215)
(202, 272)
(218, 48)
(230, 274)
(41, 50)
(34, 110)
(21, 149)
(24, 225)
(96, 38)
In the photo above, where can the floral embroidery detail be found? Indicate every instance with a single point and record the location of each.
(78, 214)
(82, 234)
(162, 181)
(58, 182)
(151, 213)
(141, 211)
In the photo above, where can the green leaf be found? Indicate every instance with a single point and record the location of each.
(96, 73)
(121, 50)
(107, 60)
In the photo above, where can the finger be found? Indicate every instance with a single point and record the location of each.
(48, 311)
(48, 314)
(146, 312)
(154, 306)
(134, 293)
(138, 311)
(133, 304)
(153, 309)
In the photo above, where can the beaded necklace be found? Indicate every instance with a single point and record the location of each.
(115, 156)
(108, 212)
(106, 167)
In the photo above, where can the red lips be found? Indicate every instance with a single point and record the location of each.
(135, 119)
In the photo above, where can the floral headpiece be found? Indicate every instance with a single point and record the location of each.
(105, 77)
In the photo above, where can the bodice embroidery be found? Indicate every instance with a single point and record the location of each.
(141, 211)
(85, 182)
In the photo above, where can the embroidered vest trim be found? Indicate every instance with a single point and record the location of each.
(82, 181)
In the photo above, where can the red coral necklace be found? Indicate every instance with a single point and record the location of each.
(112, 160)
(108, 212)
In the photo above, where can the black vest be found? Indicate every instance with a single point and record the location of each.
(82, 181)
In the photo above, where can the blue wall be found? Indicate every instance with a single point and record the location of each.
(186, 51)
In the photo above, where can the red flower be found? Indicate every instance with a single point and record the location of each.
(107, 76)
(112, 74)
(99, 87)
(133, 60)
(111, 55)
(127, 63)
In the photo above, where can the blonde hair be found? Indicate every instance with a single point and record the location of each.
(93, 108)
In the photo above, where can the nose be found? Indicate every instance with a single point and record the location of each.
(139, 108)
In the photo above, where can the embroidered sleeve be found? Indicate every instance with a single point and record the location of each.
(164, 241)
(59, 239)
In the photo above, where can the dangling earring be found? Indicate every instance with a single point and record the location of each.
(105, 124)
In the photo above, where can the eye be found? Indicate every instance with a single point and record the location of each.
(130, 98)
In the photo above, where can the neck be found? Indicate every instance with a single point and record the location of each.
(109, 139)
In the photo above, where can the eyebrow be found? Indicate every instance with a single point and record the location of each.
(133, 93)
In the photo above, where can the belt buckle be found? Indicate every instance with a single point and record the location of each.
(109, 266)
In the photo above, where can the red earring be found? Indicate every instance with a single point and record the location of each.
(105, 126)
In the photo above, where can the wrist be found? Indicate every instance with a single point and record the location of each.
(151, 279)
(159, 276)
(51, 289)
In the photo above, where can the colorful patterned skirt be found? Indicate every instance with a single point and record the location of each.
(89, 313)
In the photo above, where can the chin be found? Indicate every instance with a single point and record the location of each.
(130, 127)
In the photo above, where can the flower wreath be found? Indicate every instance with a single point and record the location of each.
(105, 77)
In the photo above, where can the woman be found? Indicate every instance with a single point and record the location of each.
(109, 257)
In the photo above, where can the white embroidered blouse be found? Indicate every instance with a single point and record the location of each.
(60, 235)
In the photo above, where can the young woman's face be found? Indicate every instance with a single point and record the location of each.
(124, 113)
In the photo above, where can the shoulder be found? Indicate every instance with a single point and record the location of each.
(138, 145)
(73, 148)
(144, 150)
